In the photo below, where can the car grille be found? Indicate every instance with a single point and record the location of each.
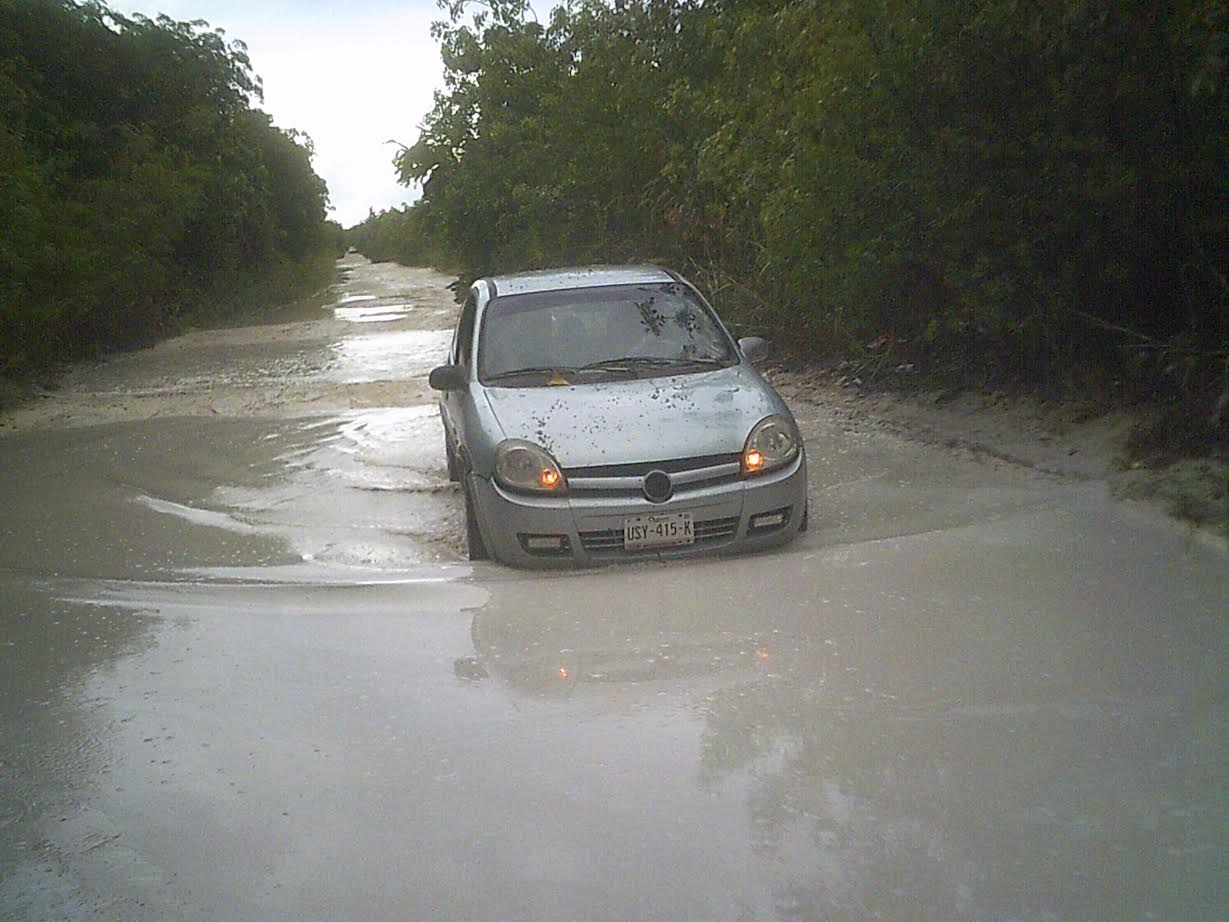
(610, 540)
(686, 474)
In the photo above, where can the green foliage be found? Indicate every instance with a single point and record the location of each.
(402, 235)
(139, 184)
(1023, 190)
(545, 148)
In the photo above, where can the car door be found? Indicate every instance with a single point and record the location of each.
(452, 403)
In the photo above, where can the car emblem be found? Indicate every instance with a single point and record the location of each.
(657, 486)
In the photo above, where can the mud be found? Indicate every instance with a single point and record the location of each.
(246, 671)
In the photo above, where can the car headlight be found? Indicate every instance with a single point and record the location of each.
(773, 443)
(524, 466)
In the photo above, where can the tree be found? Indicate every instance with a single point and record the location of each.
(139, 183)
(1027, 191)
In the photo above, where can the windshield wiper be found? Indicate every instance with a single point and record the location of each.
(522, 372)
(632, 364)
(629, 363)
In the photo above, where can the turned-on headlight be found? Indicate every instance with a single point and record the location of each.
(524, 466)
(773, 443)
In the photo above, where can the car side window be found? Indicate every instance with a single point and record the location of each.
(464, 346)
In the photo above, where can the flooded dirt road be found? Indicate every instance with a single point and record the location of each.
(246, 672)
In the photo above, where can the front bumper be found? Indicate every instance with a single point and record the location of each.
(584, 530)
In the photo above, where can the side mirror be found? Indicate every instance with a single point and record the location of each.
(447, 378)
(753, 348)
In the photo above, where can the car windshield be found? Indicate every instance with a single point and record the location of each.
(582, 334)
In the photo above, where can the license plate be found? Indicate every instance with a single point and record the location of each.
(667, 529)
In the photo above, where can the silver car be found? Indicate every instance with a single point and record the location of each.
(604, 413)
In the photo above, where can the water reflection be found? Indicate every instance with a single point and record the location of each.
(395, 355)
(373, 313)
(938, 753)
(52, 746)
(549, 638)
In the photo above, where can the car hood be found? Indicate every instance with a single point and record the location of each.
(625, 422)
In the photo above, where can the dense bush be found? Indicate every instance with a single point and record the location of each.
(401, 235)
(138, 185)
(1028, 190)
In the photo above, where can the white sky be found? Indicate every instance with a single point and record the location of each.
(351, 75)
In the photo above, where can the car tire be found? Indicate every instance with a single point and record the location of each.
(806, 515)
(473, 534)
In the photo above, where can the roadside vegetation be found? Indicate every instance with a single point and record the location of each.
(1027, 194)
(401, 235)
(141, 190)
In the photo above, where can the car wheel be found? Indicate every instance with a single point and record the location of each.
(806, 514)
(473, 534)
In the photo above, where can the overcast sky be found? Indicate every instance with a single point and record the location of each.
(352, 75)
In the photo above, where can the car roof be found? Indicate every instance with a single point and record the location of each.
(520, 283)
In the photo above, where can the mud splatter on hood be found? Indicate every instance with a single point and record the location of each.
(644, 420)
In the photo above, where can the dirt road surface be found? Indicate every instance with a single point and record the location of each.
(247, 673)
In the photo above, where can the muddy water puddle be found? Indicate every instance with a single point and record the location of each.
(852, 734)
(313, 440)
(247, 673)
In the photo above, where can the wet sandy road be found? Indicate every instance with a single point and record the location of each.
(245, 672)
